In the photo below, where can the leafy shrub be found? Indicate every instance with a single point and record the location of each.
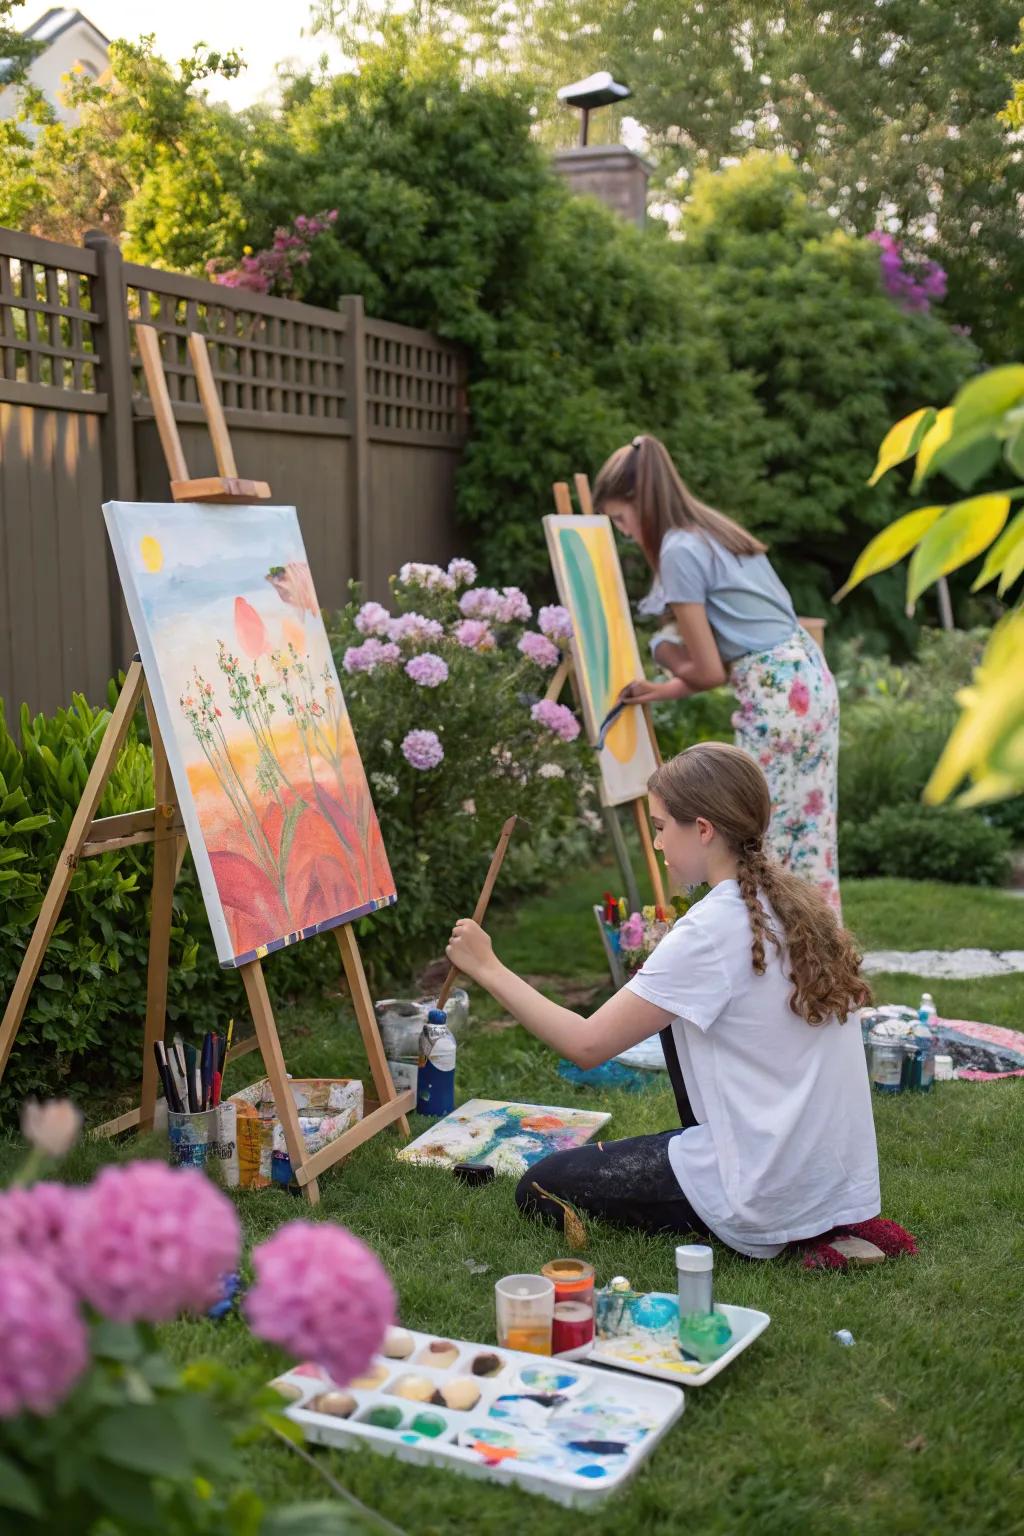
(84, 1016)
(917, 842)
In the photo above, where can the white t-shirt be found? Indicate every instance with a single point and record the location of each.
(785, 1144)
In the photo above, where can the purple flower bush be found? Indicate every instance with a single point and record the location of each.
(915, 285)
(277, 269)
(461, 719)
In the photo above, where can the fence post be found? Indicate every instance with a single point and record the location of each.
(117, 431)
(359, 446)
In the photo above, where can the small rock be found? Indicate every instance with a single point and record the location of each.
(844, 1336)
(858, 1250)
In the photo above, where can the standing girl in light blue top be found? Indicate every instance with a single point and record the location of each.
(733, 621)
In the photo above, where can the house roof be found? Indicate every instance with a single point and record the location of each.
(57, 20)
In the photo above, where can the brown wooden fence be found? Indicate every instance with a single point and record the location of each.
(357, 422)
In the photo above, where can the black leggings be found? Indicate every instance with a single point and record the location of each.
(629, 1182)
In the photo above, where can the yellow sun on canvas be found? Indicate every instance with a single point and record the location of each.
(152, 554)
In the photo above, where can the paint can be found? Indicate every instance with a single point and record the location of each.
(401, 1022)
(435, 1092)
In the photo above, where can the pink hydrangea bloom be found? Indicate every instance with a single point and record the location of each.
(557, 718)
(322, 1295)
(44, 1346)
(414, 573)
(428, 670)
(413, 626)
(152, 1242)
(539, 648)
(372, 653)
(513, 606)
(555, 622)
(474, 634)
(36, 1221)
(422, 749)
(373, 619)
(462, 572)
(480, 603)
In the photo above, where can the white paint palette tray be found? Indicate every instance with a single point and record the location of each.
(647, 1355)
(562, 1429)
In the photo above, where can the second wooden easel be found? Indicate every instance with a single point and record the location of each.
(564, 673)
(163, 827)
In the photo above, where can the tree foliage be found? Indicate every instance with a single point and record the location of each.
(891, 110)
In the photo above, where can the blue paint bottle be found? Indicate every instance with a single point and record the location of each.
(435, 1088)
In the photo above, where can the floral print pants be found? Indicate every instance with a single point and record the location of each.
(788, 720)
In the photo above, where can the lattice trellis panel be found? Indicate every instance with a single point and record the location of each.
(272, 363)
(413, 385)
(46, 323)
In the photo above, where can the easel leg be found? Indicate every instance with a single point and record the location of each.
(618, 842)
(273, 1060)
(367, 1020)
(49, 912)
(165, 869)
(650, 856)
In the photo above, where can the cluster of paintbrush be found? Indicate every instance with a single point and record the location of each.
(192, 1079)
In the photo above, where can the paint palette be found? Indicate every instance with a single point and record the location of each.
(568, 1431)
(654, 1355)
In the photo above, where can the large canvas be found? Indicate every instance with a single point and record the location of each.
(589, 580)
(266, 768)
(508, 1137)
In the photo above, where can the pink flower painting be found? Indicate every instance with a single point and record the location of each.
(267, 771)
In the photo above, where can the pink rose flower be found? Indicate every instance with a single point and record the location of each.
(474, 635)
(462, 572)
(557, 718)
(539, 649)
(479, 603)
(555, 622)
(428, 670)
(372, 653)
(322, 1295)
(373, 619)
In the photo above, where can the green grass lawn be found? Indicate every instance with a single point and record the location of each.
(915, 1429)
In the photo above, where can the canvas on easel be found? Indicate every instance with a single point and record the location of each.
(603, 658)
(271, 788)
(254, 762)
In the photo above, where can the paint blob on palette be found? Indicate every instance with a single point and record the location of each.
(507, 1137)
(565, 1430)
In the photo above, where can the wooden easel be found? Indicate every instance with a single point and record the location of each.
(564, 673)
(163, 827)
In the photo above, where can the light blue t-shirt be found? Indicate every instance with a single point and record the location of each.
(748, 608)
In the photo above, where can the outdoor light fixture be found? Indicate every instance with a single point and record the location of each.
(598, 90)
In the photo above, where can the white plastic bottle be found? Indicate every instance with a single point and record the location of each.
(694, 1266)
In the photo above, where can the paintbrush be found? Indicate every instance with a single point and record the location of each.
(483, 901)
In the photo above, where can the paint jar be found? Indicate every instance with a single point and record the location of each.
(573, 1323)
(206, 1138)
(694, 1265)
(918, 1073)
(886, 1066)
(525, 1305)
(614, 1307)
(943, 1069)
(401, 1022)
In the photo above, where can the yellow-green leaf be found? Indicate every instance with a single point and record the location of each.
(902, 441)
(938, 433)
(963, 531)
(1010, 541)
(988, 740)
(987, 397)
(889, 546)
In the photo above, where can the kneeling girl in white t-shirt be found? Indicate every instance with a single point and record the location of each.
(751, 991)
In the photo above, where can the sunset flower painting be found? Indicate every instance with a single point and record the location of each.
(272, 790)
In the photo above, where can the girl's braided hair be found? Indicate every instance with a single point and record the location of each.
(724, 786)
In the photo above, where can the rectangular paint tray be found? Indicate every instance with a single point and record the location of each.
(565, 1430)
(647, 1355)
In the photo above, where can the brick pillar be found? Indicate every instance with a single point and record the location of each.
(615, 175)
